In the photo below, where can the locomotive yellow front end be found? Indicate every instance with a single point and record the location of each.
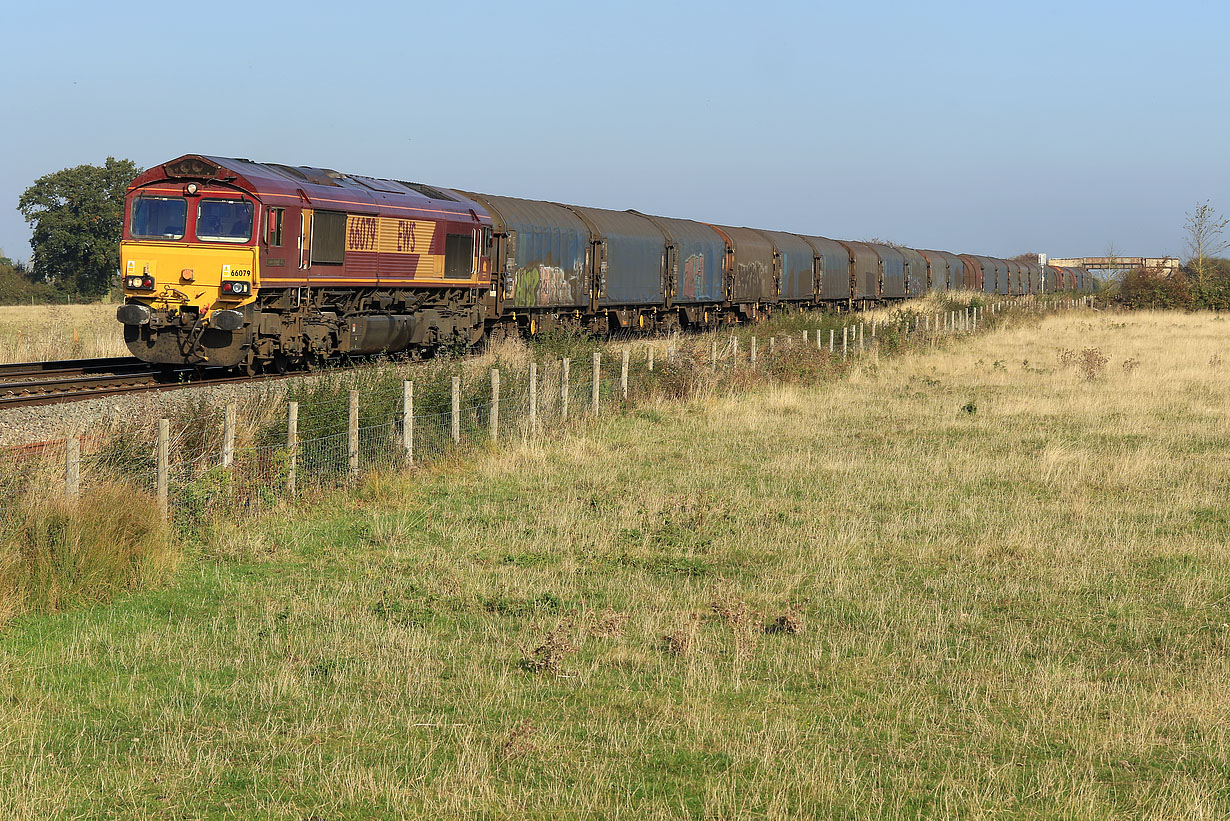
(190, 269)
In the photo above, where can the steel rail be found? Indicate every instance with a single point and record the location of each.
(65, 367)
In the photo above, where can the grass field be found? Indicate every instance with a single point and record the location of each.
(43, 332)
(991, 581)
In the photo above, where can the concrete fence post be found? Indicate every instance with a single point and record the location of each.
(228, 435)
(494, 419)
(533, 398)
(563, 389)
(860, 337)
(845, 341)
(623, 375)
(753, 351)
(832, 343)
(772, 345)
(407, 420)
(804, 336)
(352, 429)
(72, 467)
(713, 351)
(164, 465)
(292, 446)
(597, 384)
(455, 418)
(651, 358)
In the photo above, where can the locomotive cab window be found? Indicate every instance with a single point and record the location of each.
(274, 221)
(458, 256)
(224, 221)
(158, 217)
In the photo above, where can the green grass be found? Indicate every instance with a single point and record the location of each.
(1016, 612)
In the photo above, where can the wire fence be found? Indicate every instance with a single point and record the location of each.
(334, 438)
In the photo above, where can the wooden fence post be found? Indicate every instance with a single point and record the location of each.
(292, 446)
(623, 375)
(495, 405)
(533, 398)
(456, 412)
(407, 420)
(72, 467)
(352, 429)
(563, 389)
(597, 384)
(164, 465)
(228, 435)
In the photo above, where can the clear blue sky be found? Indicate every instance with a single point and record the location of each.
(984, 127)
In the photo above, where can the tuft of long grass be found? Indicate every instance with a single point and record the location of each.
(58, 553)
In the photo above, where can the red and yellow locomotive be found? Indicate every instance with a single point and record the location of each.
(234, 263)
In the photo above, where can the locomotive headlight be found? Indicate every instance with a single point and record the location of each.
(192, 188)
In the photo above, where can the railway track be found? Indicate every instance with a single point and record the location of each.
(26, 384)
(69, 367)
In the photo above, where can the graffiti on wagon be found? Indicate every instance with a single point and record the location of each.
(548, 285)
(693, 275)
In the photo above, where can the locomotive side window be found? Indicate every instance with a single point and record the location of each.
(328, 238)
(224, 221)
(275, 227)
(158, 217)
(458, 256)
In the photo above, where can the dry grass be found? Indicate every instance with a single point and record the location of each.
(1014, 582)
(46, 332)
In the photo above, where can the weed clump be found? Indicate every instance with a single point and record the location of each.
(58, 553)
(1092, 362)
(520, 741)
(547, 656)
(743, 622)
(788, 623)
(682, 641)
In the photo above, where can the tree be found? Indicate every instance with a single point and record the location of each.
(76, 214)
(1204, 227)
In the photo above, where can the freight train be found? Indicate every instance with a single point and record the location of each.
(233, 263)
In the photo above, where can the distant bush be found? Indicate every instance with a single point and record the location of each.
(16, 289)
(1147, 290)
(1182, 290)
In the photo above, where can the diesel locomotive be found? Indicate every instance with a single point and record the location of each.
(232, 263)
